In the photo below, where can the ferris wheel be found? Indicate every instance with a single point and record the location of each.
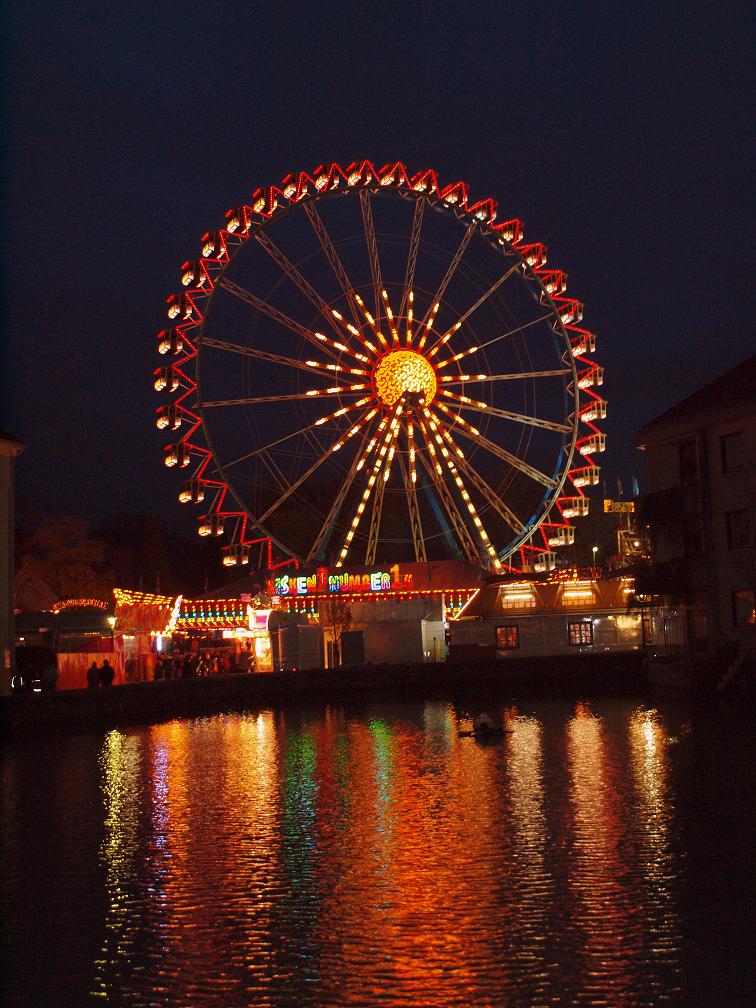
(368, 365)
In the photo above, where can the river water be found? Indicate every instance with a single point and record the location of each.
(366, 854)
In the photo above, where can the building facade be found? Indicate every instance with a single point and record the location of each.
(701, 480)
(564, 612)
(10, 447)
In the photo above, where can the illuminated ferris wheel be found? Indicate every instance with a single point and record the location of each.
(367, 365)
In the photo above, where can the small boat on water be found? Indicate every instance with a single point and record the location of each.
(485, 734)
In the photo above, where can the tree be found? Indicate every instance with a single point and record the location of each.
(62, 557)
(335, 618)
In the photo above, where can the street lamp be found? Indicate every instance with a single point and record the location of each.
(111, 621)
(595, 551)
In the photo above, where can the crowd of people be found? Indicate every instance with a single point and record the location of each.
(187, 664)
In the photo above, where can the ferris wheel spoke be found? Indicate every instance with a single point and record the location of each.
(372, 246)
(375, 521)
(271, 444)
(278, 477)
(513, 332)
(366, 344)
(298, 483)
(332, 256)
(451, 270)
(409, 480)
(480, 484)
(409, 276)
(372, 479)
(338, 502)
(457, 379)
(269, 310)
(273, 358)
(474, 435)
(450, 463)
(435, 471)
(304, 432)
(481, 300)
(297, 279)
(375, 517)
(254, 400)
(374, 325)
(464, 402)
(342, 347)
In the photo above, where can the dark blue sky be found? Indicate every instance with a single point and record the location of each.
(619, 133)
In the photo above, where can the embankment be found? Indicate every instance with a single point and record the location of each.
(147, 702)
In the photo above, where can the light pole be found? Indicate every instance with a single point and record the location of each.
(111, 620)
(595, 551)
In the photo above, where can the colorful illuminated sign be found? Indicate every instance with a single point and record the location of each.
(323, 582)
(79, 603)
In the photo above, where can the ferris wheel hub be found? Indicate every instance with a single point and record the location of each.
(401, 372)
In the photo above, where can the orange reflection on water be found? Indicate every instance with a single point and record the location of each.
(531, 881)
(649, 759)
(602, 911)
(420, 840)
(215, 801)
(120, 763)
(251, 857)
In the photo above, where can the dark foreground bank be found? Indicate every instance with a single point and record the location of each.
(140, 703)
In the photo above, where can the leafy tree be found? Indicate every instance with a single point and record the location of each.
(335, 618)
(62, 557)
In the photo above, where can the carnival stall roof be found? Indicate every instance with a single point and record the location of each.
(565, 588)
(142, 612)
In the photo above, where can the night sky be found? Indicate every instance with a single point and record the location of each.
(619, 133)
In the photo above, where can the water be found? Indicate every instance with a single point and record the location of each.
(368, 855)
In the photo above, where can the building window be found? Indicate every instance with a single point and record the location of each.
(578, 594)
(507, 638)
(580, 633)
(517, 600)
(687, 458)
(743, 608)
(737, 528)
(732, 451)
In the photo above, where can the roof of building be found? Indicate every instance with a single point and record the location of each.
(735, 389)
(5, 436)
(16, 446)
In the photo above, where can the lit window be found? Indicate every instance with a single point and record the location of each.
(578, 593)
(743, 608)
(507, 638)
(732, 451)
(517, 597)
(580, 633)
(737, 528)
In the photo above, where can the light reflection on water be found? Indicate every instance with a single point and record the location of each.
(377, 858)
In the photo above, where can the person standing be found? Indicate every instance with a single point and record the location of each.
(93, 675)
(107, 674)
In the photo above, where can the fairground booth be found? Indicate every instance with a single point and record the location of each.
(77, 632)
(300, 619)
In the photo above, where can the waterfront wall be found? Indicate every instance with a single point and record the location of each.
(140, 703)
